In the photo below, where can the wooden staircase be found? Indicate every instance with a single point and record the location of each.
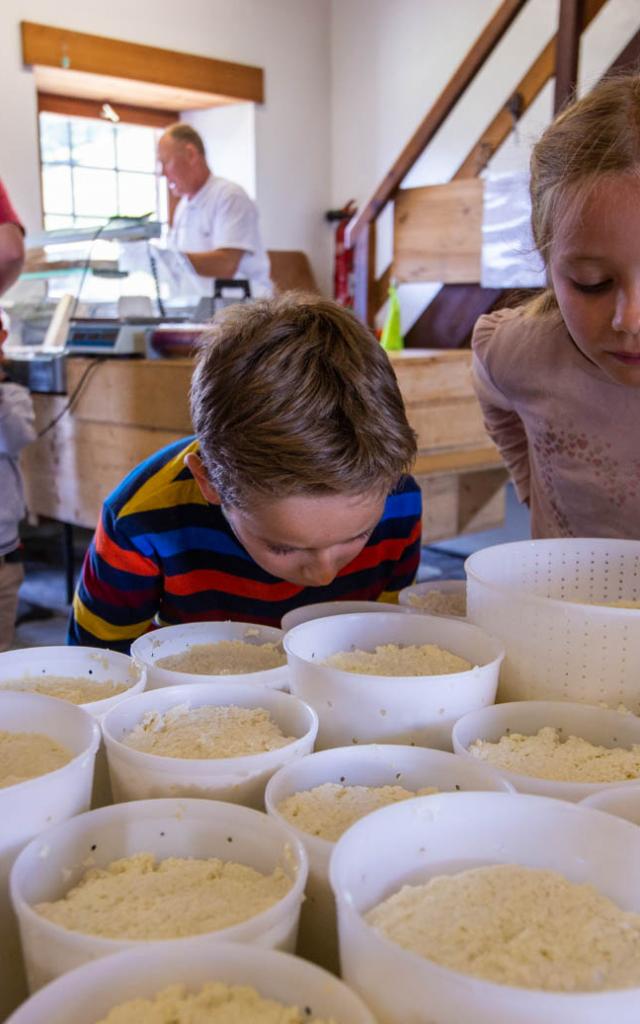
(438, 228)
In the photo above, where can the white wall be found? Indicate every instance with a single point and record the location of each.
(229, 136)
(289, 38)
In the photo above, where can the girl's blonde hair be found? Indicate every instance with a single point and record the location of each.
(595, 136)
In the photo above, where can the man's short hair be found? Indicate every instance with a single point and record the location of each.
(293, 396)
(182, 132)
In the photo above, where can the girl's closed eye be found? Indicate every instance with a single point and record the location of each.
(592, 289)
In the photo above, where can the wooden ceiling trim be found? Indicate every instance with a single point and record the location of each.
(49, 47)
(77, 107)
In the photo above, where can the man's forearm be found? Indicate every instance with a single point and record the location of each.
(216, 262)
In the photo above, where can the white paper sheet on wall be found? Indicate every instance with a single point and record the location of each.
(509, 256)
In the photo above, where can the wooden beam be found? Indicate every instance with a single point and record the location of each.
(570, 23)
(75, 107)
(46, 46)
(438, 232)
(446, 101)
(527, 90)
(364, 275)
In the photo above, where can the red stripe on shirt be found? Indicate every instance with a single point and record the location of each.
(383, 551)
(119, 558)
(211, 579)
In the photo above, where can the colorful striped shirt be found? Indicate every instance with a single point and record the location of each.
(163, 555)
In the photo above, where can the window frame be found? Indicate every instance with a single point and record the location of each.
(71, 106)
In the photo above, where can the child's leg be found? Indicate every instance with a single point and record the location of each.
(11, 576)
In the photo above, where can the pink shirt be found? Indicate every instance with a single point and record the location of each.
(569, 436)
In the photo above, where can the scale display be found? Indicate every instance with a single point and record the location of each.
(105, 337)
(89, 335)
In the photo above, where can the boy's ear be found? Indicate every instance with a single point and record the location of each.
(193, 463)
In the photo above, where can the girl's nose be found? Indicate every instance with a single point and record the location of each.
(626, 317)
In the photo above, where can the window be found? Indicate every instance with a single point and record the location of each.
(93, 169)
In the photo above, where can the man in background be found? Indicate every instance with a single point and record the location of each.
(215, 223)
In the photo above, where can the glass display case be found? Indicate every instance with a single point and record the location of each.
(82, 288)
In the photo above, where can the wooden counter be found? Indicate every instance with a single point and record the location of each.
(128, 409)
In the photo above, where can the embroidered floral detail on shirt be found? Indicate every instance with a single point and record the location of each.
(555, 445)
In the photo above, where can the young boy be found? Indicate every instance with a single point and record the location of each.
(292, 491)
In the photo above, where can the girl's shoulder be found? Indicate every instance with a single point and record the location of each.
(515, 339)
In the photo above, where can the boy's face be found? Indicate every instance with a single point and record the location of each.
(307, 539)
(304, 539)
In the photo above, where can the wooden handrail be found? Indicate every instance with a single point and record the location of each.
(528, 89)
(458, 84)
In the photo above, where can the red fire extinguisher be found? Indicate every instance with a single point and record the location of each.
(343, 265)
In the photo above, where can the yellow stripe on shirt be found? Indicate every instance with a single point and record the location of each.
(164, 490)
(106, 630)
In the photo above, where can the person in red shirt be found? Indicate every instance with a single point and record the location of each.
(17, 428)
(11, 242)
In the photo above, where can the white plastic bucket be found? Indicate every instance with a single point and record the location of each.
(32, 806)
(411, 597)
(55, 862)
(421, 710)
(412, 768)
(137, 776)
(323, 609)
(623, 801)
(83, 662)
(413, 841)
(150, 648)
(88, 993)
(526, 594)
(597, 725)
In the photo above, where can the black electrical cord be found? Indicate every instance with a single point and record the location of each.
(74, 396)
(156, 281)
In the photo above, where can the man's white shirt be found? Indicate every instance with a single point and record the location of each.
(222, 216)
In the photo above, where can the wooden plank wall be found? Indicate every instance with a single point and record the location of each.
(438, 232)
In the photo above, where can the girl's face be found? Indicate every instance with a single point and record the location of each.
(594, 266)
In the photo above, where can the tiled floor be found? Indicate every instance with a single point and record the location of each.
(44, 586)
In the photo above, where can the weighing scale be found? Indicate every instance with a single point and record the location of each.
(108, 337)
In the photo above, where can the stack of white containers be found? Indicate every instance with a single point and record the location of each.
(562, 653)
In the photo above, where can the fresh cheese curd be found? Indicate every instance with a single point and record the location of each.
(207, 732)
(215, 1003)
(441, 602)
(330, 809)
(140, 898)
(75, 689)
(395, 660)
(547, 756)
(516, 926)
(225, 658)
(25, 755)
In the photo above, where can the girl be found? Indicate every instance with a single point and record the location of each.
(559, 379)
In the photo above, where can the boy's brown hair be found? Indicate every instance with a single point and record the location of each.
(294, 396)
